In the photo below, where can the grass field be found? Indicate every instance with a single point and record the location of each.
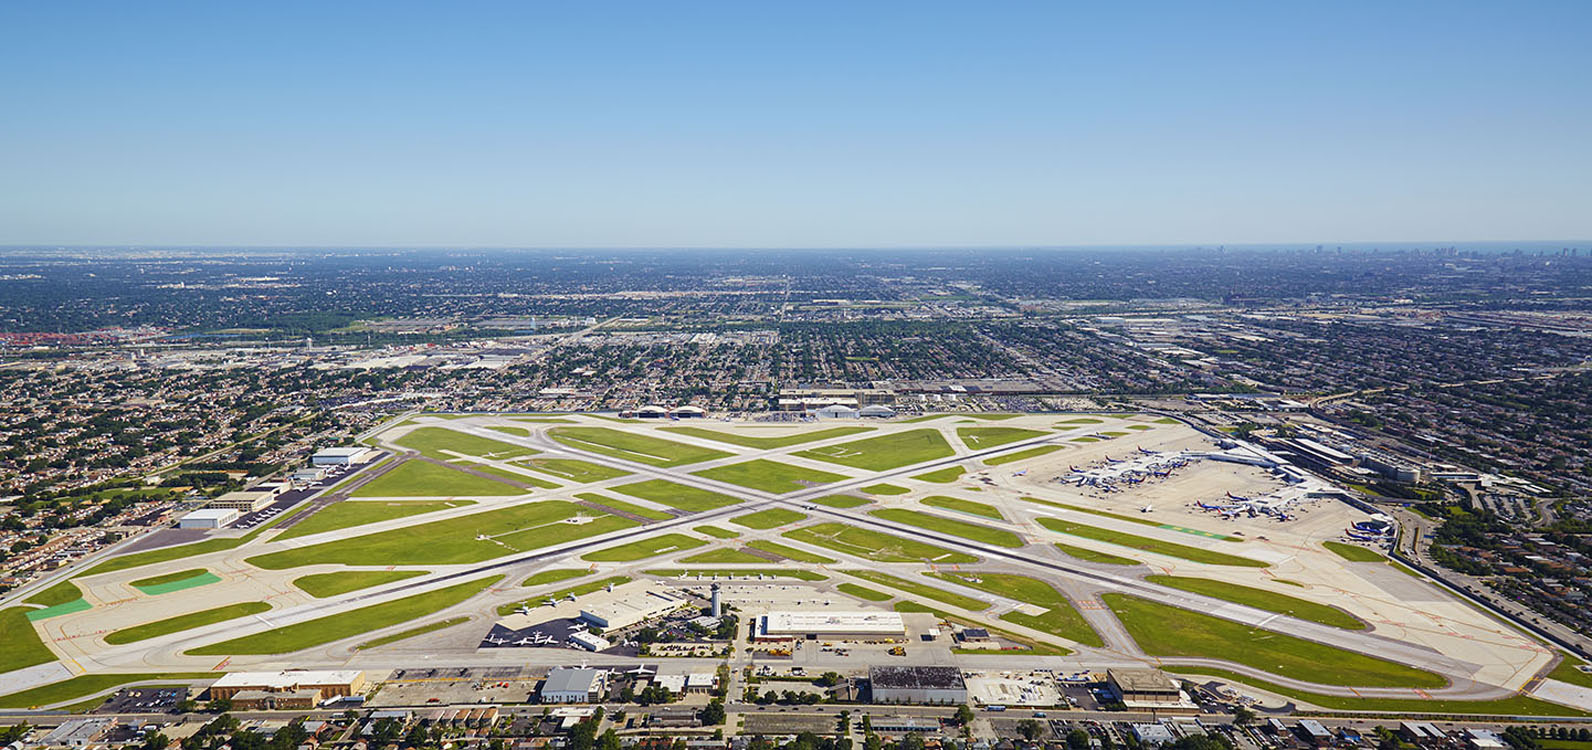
(974, 531)
(580, 589)
(1088, 555)
(22, 645)
(300, 636)
(788, 552)
(946, 475)
(716, 532)
(150, 557)
(628, 507)
(323, 585)
(1022, 455)
(510, 475)
(443, 443)
(770, 476)
(964, 506)
(1270, 601)
(180, 581)
(64, 592)
(723, 556)
(1565, 671)
(426, 479)
(800, 575)
(885, 489)
(631, 446)
(665, 492)
(351, 513)
(507, 430)
(412, 632)
(768, 519)
(516, 528)
(88, 684)
(1354, 552)
(886, 451)
(185, 622)
(1146, 544)
(918, 588)
(644, 548)
(572, 469)
(863, 592)
(766, 443)
(979, 438)
(840, 501)
(553, 575)
(1061, 618)
(1082, 420)
(1163, 630)
(874, 545)
(1518, 705)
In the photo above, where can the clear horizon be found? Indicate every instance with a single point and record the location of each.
(825, 126)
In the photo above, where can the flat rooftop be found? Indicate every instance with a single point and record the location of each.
(862, 623)
(908, 678)
(1142, 680)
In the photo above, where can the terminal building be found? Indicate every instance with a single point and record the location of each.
(290, 685)
(930, 685)
(812, 626)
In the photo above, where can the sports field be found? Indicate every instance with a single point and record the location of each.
(427, 479)
(964, 506)
(723, 556)
(636, 510)
(974, 531)
(1088, 555)
(22, 645)
(1022, 455)
(884, 452)
(300, 636)
(770, 476)
(840, 501)
(788, 552)
(1163, 630)
(946, 475)
(445, 444)
(630, 446)
(665, 492)
(918, 588)
(1061, 618)
(351, 513)
(322, 585)
(1354, 552)
(644, 548)
(185, 622)
(768, 519)
(874, 545)
(979, 438)
(863, 592)
(464, 539)
(764, 442)
(572, 469)
(1270, 601)
(885, 489)
(1146, 544)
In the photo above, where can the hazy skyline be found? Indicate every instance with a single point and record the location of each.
(890, 124)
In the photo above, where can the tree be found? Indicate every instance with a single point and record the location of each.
(713, 713)
(1243, 715)
(964, 714)
(1077, 739)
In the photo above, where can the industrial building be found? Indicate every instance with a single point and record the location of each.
(593, 643)
(324, 683)
(572, 685)
(339, 456)
(787, 625)
(636, 605)
(208, 518)
(276, 700)
(248, 501)
(1146, 689)
(78, 733)
(932, 685)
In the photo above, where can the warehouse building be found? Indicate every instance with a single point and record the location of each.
(248, 501)
(208, 518)
(78, 733)
(324, 683)
(339, 456)
(928, 685)
(835, 625)
(572, 685)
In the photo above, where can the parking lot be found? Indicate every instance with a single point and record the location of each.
(144, 700)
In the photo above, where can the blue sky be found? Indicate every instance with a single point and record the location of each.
(793, 124)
